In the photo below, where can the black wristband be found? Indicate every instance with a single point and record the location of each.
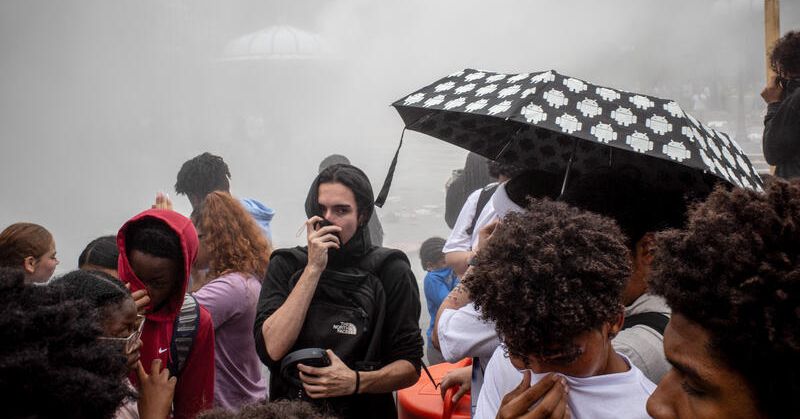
(358, 382)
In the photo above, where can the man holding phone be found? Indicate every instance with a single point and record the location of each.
(340, 293)
(782, 123)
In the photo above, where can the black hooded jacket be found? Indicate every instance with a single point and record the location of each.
(401, 338)
(782, 136)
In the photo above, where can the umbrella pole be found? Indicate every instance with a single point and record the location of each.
(569, 168)
(508, 144)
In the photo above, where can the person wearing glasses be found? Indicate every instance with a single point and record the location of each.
(117, 317)
(782, 122)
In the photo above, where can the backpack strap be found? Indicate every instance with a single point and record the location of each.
(183, 333)
(378, 256)
(483, 199)
(298, 254)
(653, 320)
(374, 262)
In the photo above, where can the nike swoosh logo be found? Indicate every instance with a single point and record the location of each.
(161, 351)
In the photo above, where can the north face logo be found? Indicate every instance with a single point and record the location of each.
(345, 328)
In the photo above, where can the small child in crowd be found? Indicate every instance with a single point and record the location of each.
(439, 281)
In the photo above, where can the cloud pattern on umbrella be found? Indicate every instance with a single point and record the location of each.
(553, 106)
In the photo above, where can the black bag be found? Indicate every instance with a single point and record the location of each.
(347, 311)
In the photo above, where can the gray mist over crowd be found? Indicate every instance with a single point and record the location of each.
(102, 101)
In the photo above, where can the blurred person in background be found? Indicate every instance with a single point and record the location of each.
(101, 254)
(782, 122)
(207, 173)
(31, 248)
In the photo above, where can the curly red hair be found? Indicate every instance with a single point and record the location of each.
(234, 240)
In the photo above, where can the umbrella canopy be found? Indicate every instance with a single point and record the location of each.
(552, 122)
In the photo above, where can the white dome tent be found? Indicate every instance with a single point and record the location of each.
(280, 42)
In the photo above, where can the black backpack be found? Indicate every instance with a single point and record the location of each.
(348, 309)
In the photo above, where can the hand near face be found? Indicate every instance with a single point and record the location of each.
(163, 201)
(331, 381)
(773, 92)
(155, 391)
(140, 298)
(319, 241)
(133, 355)
(484, 234)
(550, 393)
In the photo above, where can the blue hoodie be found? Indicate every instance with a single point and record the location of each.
(261, 213)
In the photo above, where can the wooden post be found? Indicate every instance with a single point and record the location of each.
(772, 31)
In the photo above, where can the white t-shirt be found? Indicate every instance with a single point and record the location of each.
(610, 396)
(498, 206)
(463, 334)
(641, 344)
(459, 240)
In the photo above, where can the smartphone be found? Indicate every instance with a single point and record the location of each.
(325, 223)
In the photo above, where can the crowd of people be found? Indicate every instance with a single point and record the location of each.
(600, 296)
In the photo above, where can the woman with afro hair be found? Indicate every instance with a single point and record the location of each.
(732, 278)
(551, 279)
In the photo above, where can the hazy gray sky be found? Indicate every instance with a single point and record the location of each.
(101, 102)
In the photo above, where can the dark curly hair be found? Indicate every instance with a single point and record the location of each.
(102, 252)
(202, 175)
(785, 56)
(548, 275)
(51, 363)
(154, 237)
(99, 289)
(277, 409)
(735, 271)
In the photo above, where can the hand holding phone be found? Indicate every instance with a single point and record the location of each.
(325, 223)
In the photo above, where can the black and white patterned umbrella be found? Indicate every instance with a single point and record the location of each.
(552, 122)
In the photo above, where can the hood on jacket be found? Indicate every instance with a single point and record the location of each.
(187, 235)
(261, 213)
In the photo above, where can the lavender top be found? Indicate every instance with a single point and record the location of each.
(231, 299)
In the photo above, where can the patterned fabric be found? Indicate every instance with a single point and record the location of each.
(539, 119)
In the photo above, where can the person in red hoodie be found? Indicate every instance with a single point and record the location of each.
(156, 250)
